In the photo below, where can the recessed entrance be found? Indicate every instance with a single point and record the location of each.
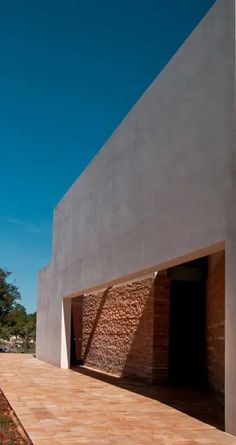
(76, 331)
(194, 336)
(187, 350)
(165, 329)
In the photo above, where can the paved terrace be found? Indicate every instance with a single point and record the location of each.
(65, 407)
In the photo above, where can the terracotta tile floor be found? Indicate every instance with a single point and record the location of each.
(65, 407)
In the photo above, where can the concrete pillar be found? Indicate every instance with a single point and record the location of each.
(230, 285)
(65, 333)
(230, 336)
(230, 299)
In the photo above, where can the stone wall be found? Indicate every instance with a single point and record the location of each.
(161, 329)
(215, 324)
(126, 328)
(118, 329)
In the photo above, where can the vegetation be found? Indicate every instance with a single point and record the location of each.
(16, 325)
(11, 432)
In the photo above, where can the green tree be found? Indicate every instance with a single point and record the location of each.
(9, 295)
(14, 319)
(23, 325)
(29, 331)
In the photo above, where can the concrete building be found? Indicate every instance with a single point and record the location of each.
(144, 243)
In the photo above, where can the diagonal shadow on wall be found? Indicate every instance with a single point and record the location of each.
(136, 346)
(95, 324)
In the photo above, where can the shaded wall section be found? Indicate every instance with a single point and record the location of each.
(117, 329)
(125, 329)
(215, 324)
(161, 329)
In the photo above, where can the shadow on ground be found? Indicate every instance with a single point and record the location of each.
(196, 402)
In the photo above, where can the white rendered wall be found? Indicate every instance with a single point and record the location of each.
(157, 191)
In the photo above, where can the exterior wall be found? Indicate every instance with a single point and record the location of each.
(230, 316)
(215, 324)
(152, 197)
(169, 146)
(161, 329)
(49, 311)
(126, 329)
(230, 304)
(118, 329)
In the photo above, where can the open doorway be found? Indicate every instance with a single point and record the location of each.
(193, 337)
(187, 346)
(196, 344)
(76, 331)
(166, 329)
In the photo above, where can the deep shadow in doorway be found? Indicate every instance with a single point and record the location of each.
(187, 333)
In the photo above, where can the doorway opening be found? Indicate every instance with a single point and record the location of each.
(76, 331)
(187, 347)
(166, 329)
(193, 338)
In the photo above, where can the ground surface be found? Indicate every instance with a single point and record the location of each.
(65, 407)
(11, 432)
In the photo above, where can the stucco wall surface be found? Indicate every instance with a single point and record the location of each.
(158, 188)
(158, 171)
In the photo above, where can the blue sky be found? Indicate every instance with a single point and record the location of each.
(69, 72)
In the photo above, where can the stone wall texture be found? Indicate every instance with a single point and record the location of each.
(126, 328)
(161, 329)
(215, 324)
(118, 329)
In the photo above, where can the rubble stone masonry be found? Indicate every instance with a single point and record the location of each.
(117, 329)
(161, 329)
(126, 328)
(121, 329)
(215, 324)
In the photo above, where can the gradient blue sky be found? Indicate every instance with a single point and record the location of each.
(69, 72)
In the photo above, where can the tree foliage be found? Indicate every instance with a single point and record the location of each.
(9, 295)
(14, 320)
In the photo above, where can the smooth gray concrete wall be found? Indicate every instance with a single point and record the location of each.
(158, 188)
(48, 346)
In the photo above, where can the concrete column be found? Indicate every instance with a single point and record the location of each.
(230, 298)
(230, 336)
(65, 333)
(230, 284)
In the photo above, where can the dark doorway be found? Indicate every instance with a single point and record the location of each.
(76, 330)
(187, 352)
